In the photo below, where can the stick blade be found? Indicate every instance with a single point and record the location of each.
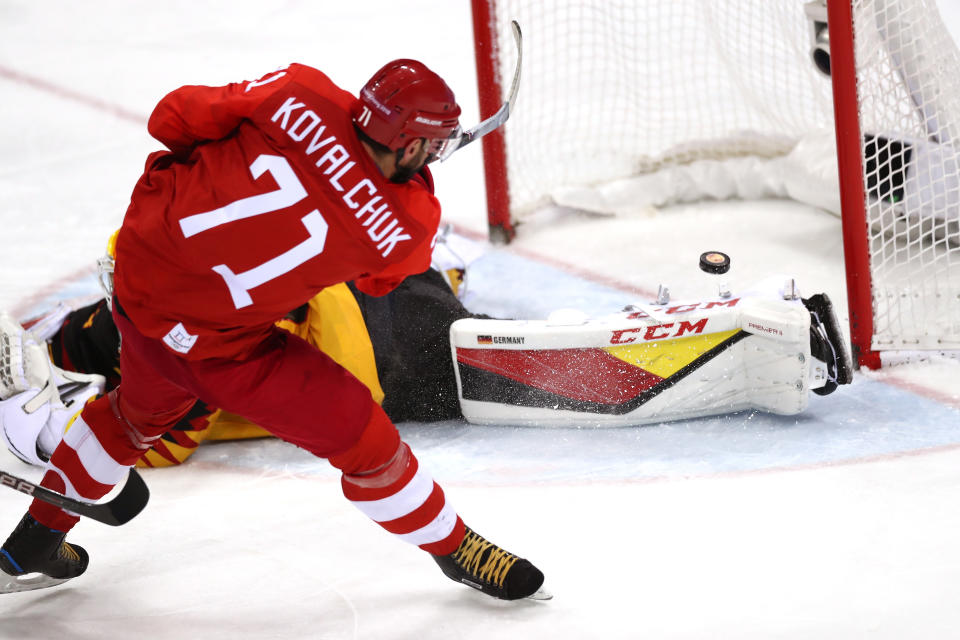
(128, 504)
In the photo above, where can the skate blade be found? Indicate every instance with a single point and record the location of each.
(27, 582)
(540, 594)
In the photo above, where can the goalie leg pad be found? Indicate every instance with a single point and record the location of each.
(20, 429)
(32, 423)
(650, 364)
(827, 343)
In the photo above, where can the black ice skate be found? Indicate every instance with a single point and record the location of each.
(483, 565)
(35, 557)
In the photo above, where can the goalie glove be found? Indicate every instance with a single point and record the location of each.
(24, 363)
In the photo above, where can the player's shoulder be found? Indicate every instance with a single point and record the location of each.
(318, 81)
(418, 198)
(417, 189)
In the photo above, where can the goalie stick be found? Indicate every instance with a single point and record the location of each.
(121, 509)
(503, 113)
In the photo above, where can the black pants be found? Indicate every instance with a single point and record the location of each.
(410, 332)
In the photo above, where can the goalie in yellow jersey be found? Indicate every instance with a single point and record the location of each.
(765, 348)
(397, 345)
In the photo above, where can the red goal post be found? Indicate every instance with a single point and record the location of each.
(619, 97)
(486, 38)
(856, 250)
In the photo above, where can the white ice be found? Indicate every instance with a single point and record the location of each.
(841, 522)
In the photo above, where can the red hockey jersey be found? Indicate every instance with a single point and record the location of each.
(265, 197)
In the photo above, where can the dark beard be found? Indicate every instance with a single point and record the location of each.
(403, 174)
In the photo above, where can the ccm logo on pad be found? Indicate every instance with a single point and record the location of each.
(658, 332)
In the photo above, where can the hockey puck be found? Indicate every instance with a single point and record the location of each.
(714, 262)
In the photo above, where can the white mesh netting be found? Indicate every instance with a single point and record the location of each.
(909, 95)
(630, 103)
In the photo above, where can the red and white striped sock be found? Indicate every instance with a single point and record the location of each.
(95, 454)
(403, 499)
(79, 468)
(382, 478)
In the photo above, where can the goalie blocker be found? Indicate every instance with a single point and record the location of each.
(764, 349)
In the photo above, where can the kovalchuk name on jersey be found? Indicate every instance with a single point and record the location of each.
(265, 197)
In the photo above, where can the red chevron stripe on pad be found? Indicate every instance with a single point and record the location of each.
(590, 375)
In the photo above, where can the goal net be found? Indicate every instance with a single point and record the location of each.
(627, 104)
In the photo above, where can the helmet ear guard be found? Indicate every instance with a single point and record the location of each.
(403, 101)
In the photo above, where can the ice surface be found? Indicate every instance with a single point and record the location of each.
(838, 523)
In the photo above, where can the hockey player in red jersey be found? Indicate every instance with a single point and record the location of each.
(269, 192)
(398, 345)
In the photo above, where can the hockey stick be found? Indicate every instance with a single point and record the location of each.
(503, 113)
(121, 509)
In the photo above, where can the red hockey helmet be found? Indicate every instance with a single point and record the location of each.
(403, 101)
